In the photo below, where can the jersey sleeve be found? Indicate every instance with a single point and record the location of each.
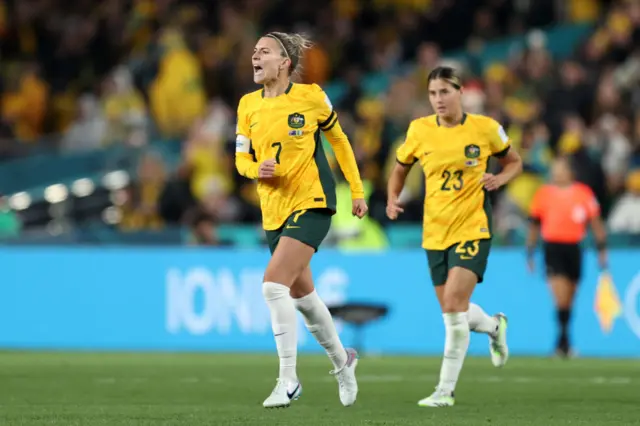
(327, 117)
(328, 123)
(405, 154)
(498, 139)
(245, 163)
(537, 205)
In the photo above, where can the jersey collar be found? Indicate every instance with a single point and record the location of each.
(464, 118)
(286, 92)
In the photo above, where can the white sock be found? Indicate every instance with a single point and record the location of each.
(283, 323)
(480, 322)
(455, 349)
(320, 323)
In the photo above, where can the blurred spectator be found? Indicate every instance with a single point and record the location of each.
(218, 203)
(24, 102)
(89, 130)
(203, 229)
(204, 155)
(315, 65)
(177, 94)
(586, 169)
(611, 138)
(625, 216)
(125, 110)
(139, 209)
(185, 64)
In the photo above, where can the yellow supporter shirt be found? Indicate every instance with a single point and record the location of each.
(454, 160)
(287, 128)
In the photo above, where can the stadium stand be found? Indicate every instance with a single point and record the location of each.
(118, 117)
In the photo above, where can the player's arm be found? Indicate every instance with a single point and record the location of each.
(330, 126)
(405, 159)
(245, 162)
(508, 158)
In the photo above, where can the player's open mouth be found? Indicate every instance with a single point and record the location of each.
(257, 69)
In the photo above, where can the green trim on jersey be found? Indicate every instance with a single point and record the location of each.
(486, 204)
(326, 175)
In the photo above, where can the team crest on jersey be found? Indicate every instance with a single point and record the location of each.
(472, 151)
(296, 120)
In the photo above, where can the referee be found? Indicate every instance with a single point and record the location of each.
(562, 210)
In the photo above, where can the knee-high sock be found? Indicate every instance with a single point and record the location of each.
(455, 349)
(320, 323)
(480, 322)
(283, 323)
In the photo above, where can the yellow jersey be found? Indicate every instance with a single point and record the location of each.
(454, 159)
(287, 128)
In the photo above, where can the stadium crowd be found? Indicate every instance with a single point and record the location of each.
(83, 75)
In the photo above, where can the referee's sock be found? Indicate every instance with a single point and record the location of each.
(564, 316)
(455, 349)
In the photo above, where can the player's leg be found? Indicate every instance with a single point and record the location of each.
(455, 304)
(320, 324)
(290, 257)
(474, 256)
(479, 320)
(439, 271)
(467, 263)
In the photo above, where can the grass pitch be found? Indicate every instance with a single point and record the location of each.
(184, 389)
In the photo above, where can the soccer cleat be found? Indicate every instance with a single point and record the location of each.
(282, 395)
(498, 342)
(439, 398)
(346, 377)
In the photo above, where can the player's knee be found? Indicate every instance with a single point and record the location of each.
(454, 302)
(273, 291)
(279, 273)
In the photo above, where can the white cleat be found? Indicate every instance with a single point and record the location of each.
(282, 395)
(498, 342)
(346, 377)
(439, 398)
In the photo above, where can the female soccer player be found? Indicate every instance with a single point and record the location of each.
(453, 148)
(278, 142)
(563, 209)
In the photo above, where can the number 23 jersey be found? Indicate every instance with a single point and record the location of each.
(287, 128)
(454, 159)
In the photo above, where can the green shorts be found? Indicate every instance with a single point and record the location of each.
(471, 255)
(307, 226)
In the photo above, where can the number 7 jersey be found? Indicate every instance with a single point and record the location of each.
(287, 129)
(454, 159)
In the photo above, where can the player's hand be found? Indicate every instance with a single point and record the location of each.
(267, 169)
(394, 209)
(359, 207)
(492, 182)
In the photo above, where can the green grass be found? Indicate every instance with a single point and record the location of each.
(186, 389)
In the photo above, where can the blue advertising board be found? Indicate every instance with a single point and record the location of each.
(198, 299)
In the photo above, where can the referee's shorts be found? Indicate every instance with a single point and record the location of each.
(563, 260)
